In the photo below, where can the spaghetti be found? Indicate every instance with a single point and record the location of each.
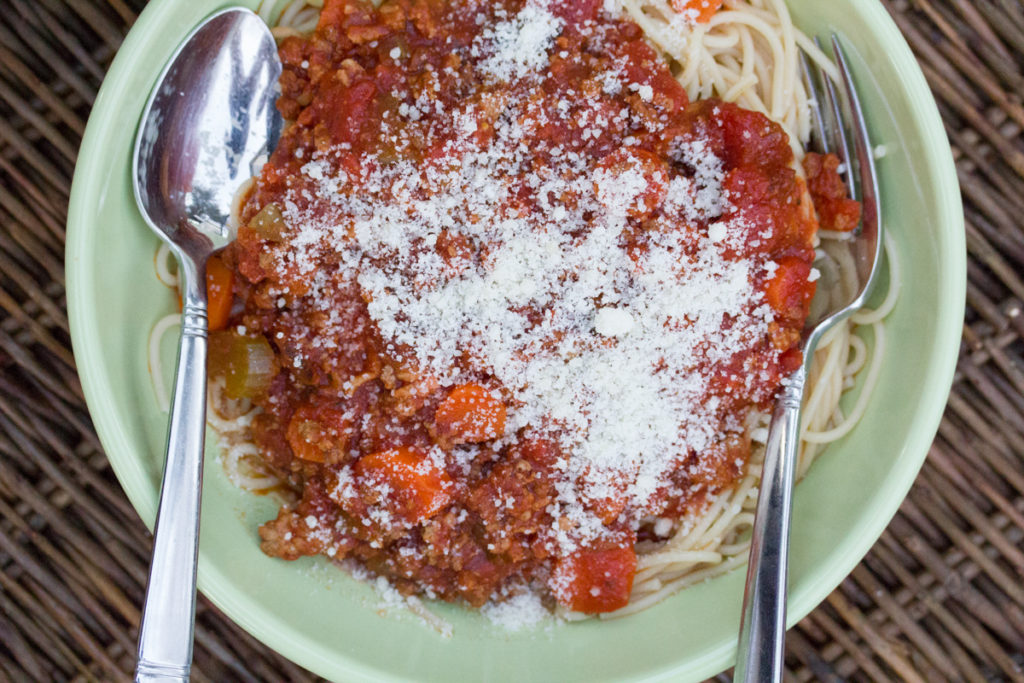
(746, 54)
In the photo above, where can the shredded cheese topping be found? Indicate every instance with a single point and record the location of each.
(606, 350)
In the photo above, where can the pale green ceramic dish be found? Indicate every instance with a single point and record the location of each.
(327, 622)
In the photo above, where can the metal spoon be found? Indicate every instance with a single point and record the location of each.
(849, 271)
(211, 116)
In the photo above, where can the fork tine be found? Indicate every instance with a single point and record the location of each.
(867, 176)
(833, 122)
(818, 134)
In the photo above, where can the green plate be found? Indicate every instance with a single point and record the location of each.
(328, 622)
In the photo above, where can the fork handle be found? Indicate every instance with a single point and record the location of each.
(168, 618)
(763, 628)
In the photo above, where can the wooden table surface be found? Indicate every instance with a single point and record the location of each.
(940, 596)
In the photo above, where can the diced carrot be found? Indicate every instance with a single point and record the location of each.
(415, 485)
(595, 580)
(705, 9)
(219, 297)
(470, 414)
(317, 432)
(789, 291)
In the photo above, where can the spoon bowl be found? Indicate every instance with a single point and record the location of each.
(210, 118)
(209, 121)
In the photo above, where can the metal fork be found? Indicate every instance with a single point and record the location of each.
(763, 628)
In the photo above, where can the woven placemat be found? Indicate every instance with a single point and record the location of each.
(941, 595)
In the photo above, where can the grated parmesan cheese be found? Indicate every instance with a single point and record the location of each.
(618, 365)
(519, 47)
(613, 322)
(519, 612)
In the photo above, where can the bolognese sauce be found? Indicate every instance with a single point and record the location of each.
(506, 299)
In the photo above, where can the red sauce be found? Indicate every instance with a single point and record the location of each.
(415, 478)
(836, 211)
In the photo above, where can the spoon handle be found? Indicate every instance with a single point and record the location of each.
(168, 618)
(764, 601)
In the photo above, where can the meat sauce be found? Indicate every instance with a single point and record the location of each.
(417, 478)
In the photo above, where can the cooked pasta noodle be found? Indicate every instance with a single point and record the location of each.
(156, 334)
(162, 262)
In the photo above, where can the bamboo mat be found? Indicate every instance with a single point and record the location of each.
(941, 595)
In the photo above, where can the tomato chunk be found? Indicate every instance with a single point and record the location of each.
(789, 292)
(836, 211)
(219, 283)
(595, 580)
(705, 9)
(470, 414)
(416, 487)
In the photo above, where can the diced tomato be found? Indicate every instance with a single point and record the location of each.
(748, 188)
(705, 9)
(470, 414)
(836, 211)
(417, 488)
(318, 433)
(751, 139)
(790, 360)
(219, 296)
(595, 580)
(789, 292)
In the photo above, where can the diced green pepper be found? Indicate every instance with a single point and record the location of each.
(245, 362)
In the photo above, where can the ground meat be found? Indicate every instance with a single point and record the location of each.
(419, 477)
